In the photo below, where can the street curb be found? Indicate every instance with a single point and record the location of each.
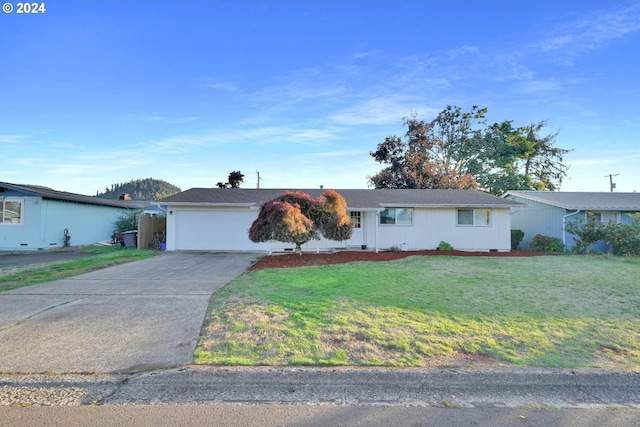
(342, 386)
(381, 386)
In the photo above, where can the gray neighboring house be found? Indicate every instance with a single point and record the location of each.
(33, 218)
(547, 212)
(219, 220)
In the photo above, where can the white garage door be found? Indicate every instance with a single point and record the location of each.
(217, 231)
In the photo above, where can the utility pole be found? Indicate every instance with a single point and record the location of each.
(258, 185)
(612, 184)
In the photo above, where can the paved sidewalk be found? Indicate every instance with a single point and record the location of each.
(127, 318)
(192, 385)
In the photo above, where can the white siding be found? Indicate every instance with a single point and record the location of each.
(227, 229)
(431, 226)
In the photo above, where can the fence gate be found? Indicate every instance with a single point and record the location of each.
(147, 225)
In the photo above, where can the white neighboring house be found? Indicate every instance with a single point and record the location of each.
(215, 219)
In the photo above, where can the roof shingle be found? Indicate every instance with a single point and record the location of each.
(356, 198)
(47, 193)
(601, 201)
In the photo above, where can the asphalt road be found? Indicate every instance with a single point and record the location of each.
(277, 415)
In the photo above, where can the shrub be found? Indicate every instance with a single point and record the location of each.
(127, 221)
(516, 238)
(541, 243)
(444, 246)
(623, 238)
(588, 233)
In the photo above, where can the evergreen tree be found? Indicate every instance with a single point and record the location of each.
(140, 189)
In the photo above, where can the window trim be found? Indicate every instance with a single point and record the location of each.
(357, 216)
(474, 224)
(395, 217)
(3, 202)
(601, 214)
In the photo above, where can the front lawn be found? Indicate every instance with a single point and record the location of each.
(97, 257)
(433, 311)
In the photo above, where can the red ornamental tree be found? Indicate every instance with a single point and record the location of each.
(296, 217)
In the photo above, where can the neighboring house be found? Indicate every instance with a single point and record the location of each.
(547, 212)
(219, 219)
(36, 217)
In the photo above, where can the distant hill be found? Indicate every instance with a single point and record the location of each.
(140, 189)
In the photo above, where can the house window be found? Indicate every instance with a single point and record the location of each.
(602, 217)
(477, 217)
(10, 211)
(397, 216)
(356, 219)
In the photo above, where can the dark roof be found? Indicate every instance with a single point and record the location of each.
(47, 193)
(356, 199)
(601, 201)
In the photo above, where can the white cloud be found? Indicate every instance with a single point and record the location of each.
(360, 55)
(556, 42)
(164, 119)
(295, 92)
(179, 143)
(285, 134)
(594, 30)
(463, 50)
(219, 84)
(78, 170)
(226, 86)
(250, 136)
(341, 153)
(12, 139)
(381, 110)
(539, 87)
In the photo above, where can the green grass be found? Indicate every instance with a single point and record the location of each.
(557, 311)
(101, 257)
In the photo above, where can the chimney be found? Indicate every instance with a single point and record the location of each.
(125, 196)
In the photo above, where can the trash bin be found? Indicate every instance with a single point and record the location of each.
(130, 238)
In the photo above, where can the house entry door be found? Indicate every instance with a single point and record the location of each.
(357, 236)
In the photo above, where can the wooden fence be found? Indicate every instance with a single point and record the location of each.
(147, 226)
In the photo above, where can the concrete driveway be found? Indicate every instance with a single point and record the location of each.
(127, 318)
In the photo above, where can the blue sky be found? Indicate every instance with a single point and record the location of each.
(100, 92)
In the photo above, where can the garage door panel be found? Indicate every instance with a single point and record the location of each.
(214, 230)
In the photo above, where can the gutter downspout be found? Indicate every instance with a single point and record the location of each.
(377, 225)
(160, 208)
(564, 223)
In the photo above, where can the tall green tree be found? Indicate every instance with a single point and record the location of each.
(233, 181)
(434, 154)
(497, 168)
(544, 163)
(457, 150)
